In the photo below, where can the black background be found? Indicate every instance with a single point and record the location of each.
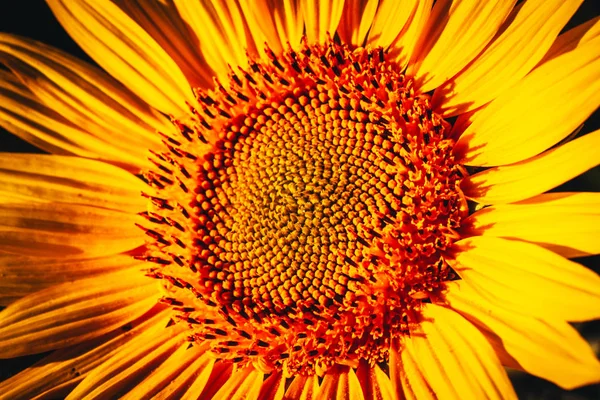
(32, 18)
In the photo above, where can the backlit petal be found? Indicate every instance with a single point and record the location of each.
(71, 313)
(321, 18)
(375, 383)
(543, 108)
(243, 384)
(75, 363)
(340, 383)
(50, 229)
(573, 38)
(552, 350)
(303, 388)
(404, 47)
(127, 52)
(391, 18)
(566, 223)
(356, 20)
(509, 57)
(465, 27)
(273, 388)
(455, 358)
(528, 279)
(531, 177)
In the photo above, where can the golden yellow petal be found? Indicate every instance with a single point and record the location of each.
(464, 27)
(566, 223)
(74, 180)
(528, 279)
(550, 349)
(536, 175)
(340, 383)
(26, 116)
(356, 20)
(23, 275)
(243, 384)
(303, 388)
(391, 18)
(74, 363)
(194, 377)
(407, 379)
(375, 383)
(177, 362)
(403, 48)
(127, 52)
(130, 364)
(217, 27)
(221, 372)
(73, 312)
(573, 38)
(321, 18)
(543, 108)
(273, 388)
(51, 229)
(455, 358)
(162, 21)
(508, 58)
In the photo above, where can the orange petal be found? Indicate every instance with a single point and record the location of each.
(273, 387)
(456, 32)
(552, 350)
(404, 47)
(321, 18)
(303, 388)
(340, 383)
(221, 372)
(127, 52)
(26, 116)
(72, 364)
(543, 108)
(375, 383)
(243, 384)
(566, 223)
(528, 279)
(391, 18)
(49, 229)
(23, 275)
(194, 378)
(509, 57)
(218, 29)
(50, 178)
(455, 358)
(177, 362)
(73, 312)
(531, 177)
(131, 364)
(407, 378)
(356, 20)
(162, 21)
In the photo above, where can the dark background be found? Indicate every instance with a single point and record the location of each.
(32, 18)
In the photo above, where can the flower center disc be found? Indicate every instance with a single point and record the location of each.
(303, 213)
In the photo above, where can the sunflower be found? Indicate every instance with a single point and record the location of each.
(267, 199)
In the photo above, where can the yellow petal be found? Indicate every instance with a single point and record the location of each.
(217, 27)
(543, 108)
(403, 48)
(127, 52)
(221, 372)
(162, 21)
(321, 18)
(391, 18)
(243, 384)
(375, 383)
(566, 223)
(50, 229)
(407, 378)
(167, 370)
(303, 388)
(75, 363)
(273, 387)
(130, 365)
(455, 358)
(194, 377)
(528, 279)
(26, 116)
(276, 22)
(572, 38)
(509, 57)
(74, 312)
(531, 177)
(552, 350)
(340, 383)
(456, 32)
(23, 275)
(70, 180)
(356, 20)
